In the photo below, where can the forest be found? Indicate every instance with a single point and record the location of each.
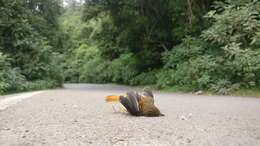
(183, 45)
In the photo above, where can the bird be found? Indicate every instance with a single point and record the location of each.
(137, 104)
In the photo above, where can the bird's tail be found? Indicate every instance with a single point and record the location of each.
(112, 98)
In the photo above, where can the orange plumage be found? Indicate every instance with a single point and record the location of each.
(112, 98)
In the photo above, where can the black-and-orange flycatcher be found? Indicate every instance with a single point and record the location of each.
(136, 104)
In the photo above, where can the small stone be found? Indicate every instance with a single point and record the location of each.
(190, 115)
(188, 140)
(7, 129)
(234, 145)
(183, 118)
(199, 92)
(23, 136)
(26, 131)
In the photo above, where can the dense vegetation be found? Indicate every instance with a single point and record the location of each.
(192, 45)
(29, 45)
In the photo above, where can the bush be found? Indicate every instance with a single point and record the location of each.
(186, 66)
(225, 59)
(222, 72)
(10, 78)
(95, 71)
(222, 87)
(236, 29)
(145, 78)
(55, 70)
(40, 84)
(165, 78)
(123, 69)
(85, 64)
(235, 22)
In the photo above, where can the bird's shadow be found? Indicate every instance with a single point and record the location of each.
(129, 115)
(122, 113)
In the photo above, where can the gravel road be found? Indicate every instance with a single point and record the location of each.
(78, 115)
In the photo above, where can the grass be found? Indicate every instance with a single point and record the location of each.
(241, 92)
(247, 92)
(34, 86)
(177, 89)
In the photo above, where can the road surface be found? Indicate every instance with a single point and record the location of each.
(78, 115)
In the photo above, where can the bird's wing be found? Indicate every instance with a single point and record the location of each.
(134, 98)
(149, 94)
(130, 102)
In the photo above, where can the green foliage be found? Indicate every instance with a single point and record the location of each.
(124, 68)
(164, 78)
(123, 41)
(29, 36)
(72, 27)
(222, 87)
(235, 23)
(145, 28)
(95, 71)
(231, 60)
(190, 48)
(40, 84)
(237, 29)
(10, 78)
(80, 57)
(164, 42)
(167, 43)
(145, 78)
(186, 65)
(13, 81)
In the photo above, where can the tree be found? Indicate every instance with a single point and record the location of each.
(27, 32)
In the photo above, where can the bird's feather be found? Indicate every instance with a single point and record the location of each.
(112, 98)
(131, 104)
